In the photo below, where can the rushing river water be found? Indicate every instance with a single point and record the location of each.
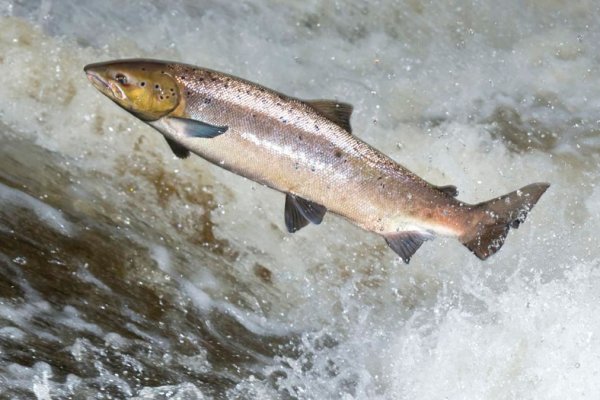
(128, 273)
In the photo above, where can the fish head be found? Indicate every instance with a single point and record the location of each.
(147, 89)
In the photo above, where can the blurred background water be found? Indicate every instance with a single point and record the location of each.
(127, 273)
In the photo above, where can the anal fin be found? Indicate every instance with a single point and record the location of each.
(406, 243)
(300, 212)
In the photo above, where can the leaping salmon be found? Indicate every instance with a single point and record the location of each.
(306, 150)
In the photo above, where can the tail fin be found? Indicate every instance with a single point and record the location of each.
(497, 216)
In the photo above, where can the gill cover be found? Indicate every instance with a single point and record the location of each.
(146, 89)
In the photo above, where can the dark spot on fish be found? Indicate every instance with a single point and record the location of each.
(381, 177)
(226, 86)
(143, 69)
(278, 104)
(157, 86)
(200, 79)
(213, 79)
(207, 100)
(300, 137)
(248, 92)
(162, 72)
(317, 127)
(142, 84)
(261, 89)
(253, 115)
(337, 153)
(189, 93)
(161, 97)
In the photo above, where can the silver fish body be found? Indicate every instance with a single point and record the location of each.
(305, 149)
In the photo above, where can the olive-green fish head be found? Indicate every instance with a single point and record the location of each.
(145, 88)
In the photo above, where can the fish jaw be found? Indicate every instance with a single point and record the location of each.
(98, 79)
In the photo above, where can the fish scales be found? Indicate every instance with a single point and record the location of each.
(285, 144)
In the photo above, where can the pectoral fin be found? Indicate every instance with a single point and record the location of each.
(178, 149)
(193, 128)
(406, 243)
(335, 111)
(300, 212)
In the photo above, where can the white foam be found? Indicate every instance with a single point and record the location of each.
(85, 275)
(12, 333)
(185, 391)
(535, 340)
(41, 386)
(254, 322)
(51, 216)
(162, 257)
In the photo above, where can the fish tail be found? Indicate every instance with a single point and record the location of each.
(495, 217)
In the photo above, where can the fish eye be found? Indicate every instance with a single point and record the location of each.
(122, 79)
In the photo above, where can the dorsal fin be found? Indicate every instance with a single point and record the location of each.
(337, 112)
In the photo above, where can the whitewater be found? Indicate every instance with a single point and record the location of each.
(128, 273)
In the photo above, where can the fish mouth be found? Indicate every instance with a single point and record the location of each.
(102, 84)
(97, 80)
